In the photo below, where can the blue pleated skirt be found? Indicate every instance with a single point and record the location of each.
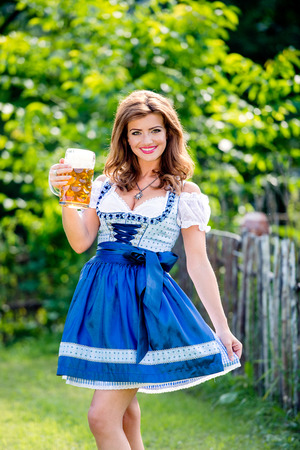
(131, 326)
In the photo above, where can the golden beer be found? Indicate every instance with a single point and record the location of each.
(77, 193)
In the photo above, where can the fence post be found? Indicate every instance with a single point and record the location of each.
(284, 321)
(274, 314)
(265, 266)
(245, 306)
(294, 326)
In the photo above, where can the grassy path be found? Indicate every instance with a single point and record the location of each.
(38, 411)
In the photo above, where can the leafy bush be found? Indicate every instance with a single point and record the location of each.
(64, 65)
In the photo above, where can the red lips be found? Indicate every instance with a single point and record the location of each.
(148, 150)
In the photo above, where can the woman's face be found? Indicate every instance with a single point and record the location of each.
(147, 137)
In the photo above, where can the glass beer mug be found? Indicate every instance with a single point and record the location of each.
(77, 193)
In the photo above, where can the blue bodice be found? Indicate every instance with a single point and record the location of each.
(157, 234)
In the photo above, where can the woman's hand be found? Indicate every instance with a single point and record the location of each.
(59, 174)
(232, 344)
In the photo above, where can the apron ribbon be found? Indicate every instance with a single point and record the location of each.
(150, 290)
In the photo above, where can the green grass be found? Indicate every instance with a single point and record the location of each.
(38, 411)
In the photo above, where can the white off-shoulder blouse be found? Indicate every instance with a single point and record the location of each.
(193, 208)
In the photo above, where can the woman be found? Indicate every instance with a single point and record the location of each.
(130, 327)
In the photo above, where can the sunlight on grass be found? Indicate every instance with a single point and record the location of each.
(38, 411)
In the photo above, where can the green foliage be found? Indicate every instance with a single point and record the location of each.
(64, 65)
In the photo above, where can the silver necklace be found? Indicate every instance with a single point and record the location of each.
(140, 193)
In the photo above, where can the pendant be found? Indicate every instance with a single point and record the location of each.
(138, 195)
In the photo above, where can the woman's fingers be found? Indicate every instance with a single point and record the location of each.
(60, 174)
(229, 351)
(60, 169)
(231, 343)
(238, 348)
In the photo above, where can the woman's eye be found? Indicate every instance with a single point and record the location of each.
(137, 133)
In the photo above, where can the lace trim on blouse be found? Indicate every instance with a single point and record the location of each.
(193, 209)
(131, 215)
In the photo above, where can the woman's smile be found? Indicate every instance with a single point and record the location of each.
(148, 150)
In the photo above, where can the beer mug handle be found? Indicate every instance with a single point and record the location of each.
(54, 190)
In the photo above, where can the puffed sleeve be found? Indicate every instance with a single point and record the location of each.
(96, 189)
(193, 209)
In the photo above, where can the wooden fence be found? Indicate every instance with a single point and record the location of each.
(258, 283)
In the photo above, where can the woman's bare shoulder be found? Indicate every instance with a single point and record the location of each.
(101, 178)
(191, 188)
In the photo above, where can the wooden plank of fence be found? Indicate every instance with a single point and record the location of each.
(293, 326)
(230, 275)
(227, 257)
(284, 319)
(264, 242)
(274, 313)
(240, 329)
(234, 284)
(245, 310)
(258, 319)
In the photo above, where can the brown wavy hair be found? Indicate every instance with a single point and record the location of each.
(122, 165)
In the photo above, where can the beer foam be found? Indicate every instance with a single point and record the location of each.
(80, 158)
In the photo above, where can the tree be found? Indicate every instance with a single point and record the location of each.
(64, 66)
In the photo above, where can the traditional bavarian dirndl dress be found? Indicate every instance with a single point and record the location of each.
(129, 324)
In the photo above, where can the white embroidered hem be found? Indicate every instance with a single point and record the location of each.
(115, 356)
(154, 388)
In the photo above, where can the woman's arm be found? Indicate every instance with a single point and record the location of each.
(205, 282)
(204, 279)
(203, 276)
(81, 228)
